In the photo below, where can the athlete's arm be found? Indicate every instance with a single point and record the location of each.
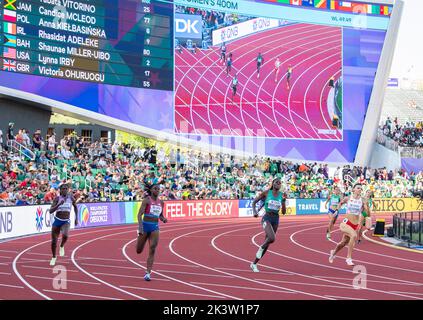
(56, 204)
(75, 208)
(284, 196)
(140, 213)
(327, 200)
(262, 196)
(142, 209)
(361, 217)
(162, 217)
(341, 203)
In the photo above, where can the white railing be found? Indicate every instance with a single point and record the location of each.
(386, 141)
(21, 149)
(411, 152)
(405, 152)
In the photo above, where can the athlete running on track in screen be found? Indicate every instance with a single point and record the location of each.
(351, 224)
(260, 62)
(333, 199)
(366, 214)
(223, 53)
(150, 213)
(288, 77)
(62, 205)
(234, 84)
(277, 66)
(274, 200)
(229, 64)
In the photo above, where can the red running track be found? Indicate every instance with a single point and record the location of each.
(262, 107)
(208, 260)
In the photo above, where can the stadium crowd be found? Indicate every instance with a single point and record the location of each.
(120, 172)
(409, 134)
(212, 20)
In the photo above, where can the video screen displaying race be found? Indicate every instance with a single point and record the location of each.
(295, 74)
(259, 76)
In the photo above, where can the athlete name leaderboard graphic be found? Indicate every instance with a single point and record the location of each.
(118, 42)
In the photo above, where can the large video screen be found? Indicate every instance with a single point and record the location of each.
(295, 74)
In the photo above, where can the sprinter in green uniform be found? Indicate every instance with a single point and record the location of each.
(369, 199)
(333, 199)
(274, 201)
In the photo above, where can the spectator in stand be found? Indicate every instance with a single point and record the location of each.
(37, 139)
(52, 143)
(10, 135)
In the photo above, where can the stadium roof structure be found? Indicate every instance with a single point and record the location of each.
(406, 105)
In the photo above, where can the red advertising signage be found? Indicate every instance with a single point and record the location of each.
(198, 209)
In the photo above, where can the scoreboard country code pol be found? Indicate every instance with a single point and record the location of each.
(116, 42)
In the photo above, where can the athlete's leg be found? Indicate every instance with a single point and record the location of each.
(55, 232)
(344, 241)
(154, 241)
(65, 236)
(141, 240)
(270, 232)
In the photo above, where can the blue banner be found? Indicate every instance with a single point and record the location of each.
(313, 206)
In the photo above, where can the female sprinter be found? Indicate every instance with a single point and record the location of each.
(62, 206)
(274, 200)
(333, 200)
(366, 214)
(351, 224)
(148, 220)
(277, 66)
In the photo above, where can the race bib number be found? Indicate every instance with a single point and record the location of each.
(155, 210)
(274, 205)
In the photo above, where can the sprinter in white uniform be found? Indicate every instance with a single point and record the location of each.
(62, 205)
(351, 224)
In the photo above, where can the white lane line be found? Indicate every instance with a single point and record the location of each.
(26, 283)
(126, 276)
(327, 254)
(105, 259)
(9, 251)
(306, 284)
(249, 271)
(76, 281)
(176, 264)
(107, 266)
(196, 274)
(319, 264)
(177, 292)
(174, 279)
(46, 268)
(6, 273)
(11, 286)
(347, 298)
(245, 288)
(420, 294)
(94, 277)
(5, 257)
(227, 273)
(4, 263)
(81, 295)
(376, 281)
